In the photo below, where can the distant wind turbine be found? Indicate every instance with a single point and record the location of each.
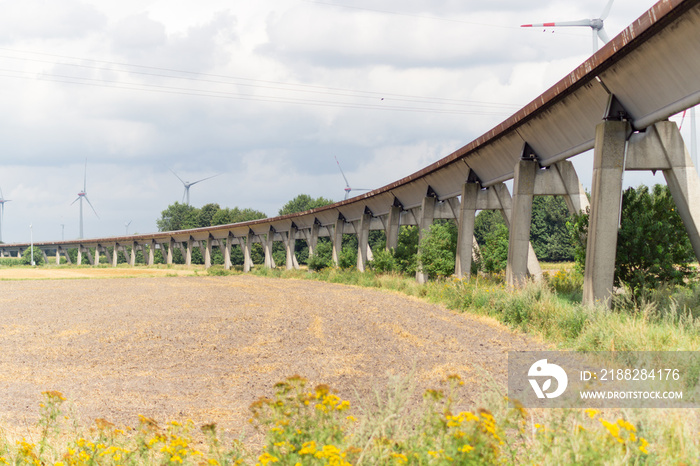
(83, 195)
(126, 225)
(2, 211)
(187, 185)
(347, 185)
(596, 25)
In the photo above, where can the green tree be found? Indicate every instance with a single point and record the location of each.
(226, 216)
(27, 257)
(438, 249)
(548, 232)
(652, 243)
(493, 253)
(302, 203)
(486, 222)
(178, 217)
(406, 251)
(205, 214)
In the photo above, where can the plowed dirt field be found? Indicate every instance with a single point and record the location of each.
(204, 348)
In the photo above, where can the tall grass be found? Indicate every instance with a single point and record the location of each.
(664, 321)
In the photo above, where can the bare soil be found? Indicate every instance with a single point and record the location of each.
(204, 348)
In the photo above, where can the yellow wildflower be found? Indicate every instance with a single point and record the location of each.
(626, 425)
(267, 458)
(308, 448)
(466, 448)
(643, 444)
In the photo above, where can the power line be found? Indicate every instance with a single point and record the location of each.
(229, 95)
(209, 78)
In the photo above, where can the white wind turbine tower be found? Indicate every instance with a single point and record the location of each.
(2, 211)
(83, 195)
(596, 25)
(187, 185)
(347, 185)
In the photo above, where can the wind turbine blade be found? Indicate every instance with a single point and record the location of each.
(603, 36)
(606, 11)
(76, 200)
(582, 22)
(184, 193)
(360, 189)
(204, 179)
(1, 195)
(181, 180)
(90, 203)
(595, 40)
(342, 173)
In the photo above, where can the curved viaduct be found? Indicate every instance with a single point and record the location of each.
(617, 102)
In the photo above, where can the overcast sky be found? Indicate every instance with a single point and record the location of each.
(265, 93)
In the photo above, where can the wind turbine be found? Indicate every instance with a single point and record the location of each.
(596, 25)
(83, 195)
(126, 225)
(2, 211)
(187, 185)
(347, 185)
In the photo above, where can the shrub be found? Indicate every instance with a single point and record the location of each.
(438, 249)
(652, 243)
(383, 261)
(323, 256)
(38, 257)
(347, 257)
(493, 254)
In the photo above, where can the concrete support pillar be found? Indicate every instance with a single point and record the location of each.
(171, 247)
(247, 261)
(132, 255)
(46, 258)
(682, 180)
(115, 255)
(290, 245)
(96, 260)
(393, 223)
(67, 256)
(427, 215)
(227, 252)
(337, 240)
(504, 200)
(79, 260)
(58, 256)
(207, 252)
(313, 238)
(152, 253)
(465, 232)
(575, 197)
(521, 218)
(363, 240)
(608, 166)
(188, 251)
(267, 249)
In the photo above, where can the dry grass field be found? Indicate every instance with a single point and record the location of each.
(204, 348)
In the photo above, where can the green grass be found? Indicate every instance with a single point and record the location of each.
(664, 323)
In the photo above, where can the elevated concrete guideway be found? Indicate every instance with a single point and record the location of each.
(637, 81)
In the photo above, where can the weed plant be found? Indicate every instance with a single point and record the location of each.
(314, 426)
